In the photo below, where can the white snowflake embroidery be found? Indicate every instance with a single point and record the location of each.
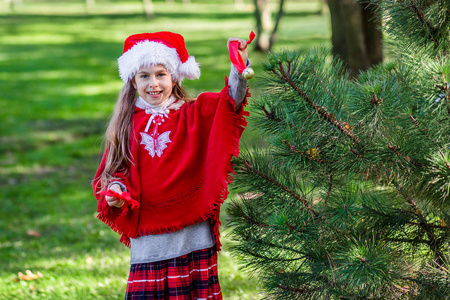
(159, 144)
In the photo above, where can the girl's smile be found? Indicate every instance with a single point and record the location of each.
(154, 84)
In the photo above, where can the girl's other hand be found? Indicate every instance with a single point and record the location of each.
(242, 47)
(113, 201)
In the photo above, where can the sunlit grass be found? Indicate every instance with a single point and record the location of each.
(58, 85)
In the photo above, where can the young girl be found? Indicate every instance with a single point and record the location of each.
(166, 168)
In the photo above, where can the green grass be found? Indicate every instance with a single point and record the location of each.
(58, 85)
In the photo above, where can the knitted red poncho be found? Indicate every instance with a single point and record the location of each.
(186, 182)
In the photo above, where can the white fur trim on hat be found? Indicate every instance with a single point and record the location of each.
(190, 69)
(148, 53)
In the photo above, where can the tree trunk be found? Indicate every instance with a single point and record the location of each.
(265, 30)
(372, 34)
(148, 8)
(13, 4)
(322, 7)
(356, 34)
(273, 36)
(263, 24)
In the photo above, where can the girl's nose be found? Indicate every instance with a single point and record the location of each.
(153, 82)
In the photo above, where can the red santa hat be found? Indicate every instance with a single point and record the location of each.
(166, 48)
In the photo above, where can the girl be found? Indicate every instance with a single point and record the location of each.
(166, 168)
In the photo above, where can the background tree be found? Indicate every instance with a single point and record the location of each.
(148, 8)
(266, 30)
(356, 34)
(12, 4)
(351, 200)
(238, 3)
(90, 4)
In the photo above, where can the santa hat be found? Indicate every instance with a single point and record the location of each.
(166, 48)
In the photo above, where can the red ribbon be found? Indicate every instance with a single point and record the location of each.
(124, 196)
(157, 121)
(235, 57)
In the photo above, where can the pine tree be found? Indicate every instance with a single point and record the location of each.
(350, 199)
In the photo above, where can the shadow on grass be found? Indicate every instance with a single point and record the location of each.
(47, 132)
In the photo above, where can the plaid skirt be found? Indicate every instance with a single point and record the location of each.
(188, 277)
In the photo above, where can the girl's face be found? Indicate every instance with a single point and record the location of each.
(153, 83)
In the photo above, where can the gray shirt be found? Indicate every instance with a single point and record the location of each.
(150, 248)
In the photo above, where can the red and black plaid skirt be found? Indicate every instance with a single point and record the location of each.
(188, 277)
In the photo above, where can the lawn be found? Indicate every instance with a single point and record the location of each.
(58, 85)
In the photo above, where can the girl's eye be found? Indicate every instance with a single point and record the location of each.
(161, 74)
(144, 76)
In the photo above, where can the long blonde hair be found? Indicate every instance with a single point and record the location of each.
(118, 133)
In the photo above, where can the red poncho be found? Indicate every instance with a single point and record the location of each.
(188, 182)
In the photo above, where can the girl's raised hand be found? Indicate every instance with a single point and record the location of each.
(113, 201)
(242, 47)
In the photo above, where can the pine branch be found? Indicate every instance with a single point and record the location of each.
(444, 92)
(298, 290)
(447, 94)
(330, 118)
(270, 115)
(409, 241)
(443, 227)
(375, 100)
(418, 281)
(329, 189)
(267, 243)
(322, 83)
(258, 255)
(320, 110)
(424, 21)
(290, 192)
(284, 247)
(294, 149)
(434, 243)
(251, 221)
(411, 202)
(416, 123)
(394, 149)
